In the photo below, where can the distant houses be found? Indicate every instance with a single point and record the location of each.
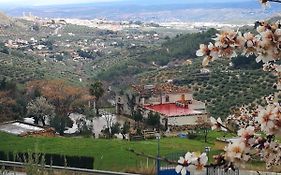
(175, 105)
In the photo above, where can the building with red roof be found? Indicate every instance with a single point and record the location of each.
(172, 110)
(176, 114)
(175, 104)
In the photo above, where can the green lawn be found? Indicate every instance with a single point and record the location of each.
(108, 154)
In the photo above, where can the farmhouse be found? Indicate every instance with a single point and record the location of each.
(175, 105)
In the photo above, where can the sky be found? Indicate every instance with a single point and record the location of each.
(56, 2)
(48, 2)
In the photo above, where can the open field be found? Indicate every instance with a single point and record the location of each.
(108, 154)
(113, 154)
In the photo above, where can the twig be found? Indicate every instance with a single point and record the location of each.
(228, 129)
(153, 157)
(221, 125)
(278, 1)
(171, 162)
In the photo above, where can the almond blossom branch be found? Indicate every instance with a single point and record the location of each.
(266, 46)
(218, 125)
(190, 161)
(228, 129)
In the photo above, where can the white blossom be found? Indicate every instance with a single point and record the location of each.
(217, 124)
(184, 163)
(237, 152)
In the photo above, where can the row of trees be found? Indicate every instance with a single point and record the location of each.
(48, 101)
(141, 59)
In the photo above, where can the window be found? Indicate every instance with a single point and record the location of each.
(167, 98)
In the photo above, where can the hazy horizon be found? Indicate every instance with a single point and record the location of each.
(65, 2)
(236, 11)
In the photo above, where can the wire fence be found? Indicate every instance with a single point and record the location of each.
(58, 168)
(220, 171)
(243, 172)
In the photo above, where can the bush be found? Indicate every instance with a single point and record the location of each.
(153, 119)
(192, 134)
(60, 123)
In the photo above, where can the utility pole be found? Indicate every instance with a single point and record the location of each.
(158, 154)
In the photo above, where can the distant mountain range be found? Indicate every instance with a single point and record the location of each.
(157, 11)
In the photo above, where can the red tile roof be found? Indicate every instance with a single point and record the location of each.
(171, 110)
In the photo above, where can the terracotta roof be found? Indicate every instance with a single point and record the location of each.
(171, 110)
(159, 88)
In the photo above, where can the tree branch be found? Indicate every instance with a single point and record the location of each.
(153, 157)
(225, 127)
(278, 1)
(171, 162)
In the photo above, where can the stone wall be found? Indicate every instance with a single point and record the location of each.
(50, 132)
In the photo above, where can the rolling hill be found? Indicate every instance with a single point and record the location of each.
(221, 89)
(4, 20)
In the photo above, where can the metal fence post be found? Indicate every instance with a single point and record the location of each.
(158, 153)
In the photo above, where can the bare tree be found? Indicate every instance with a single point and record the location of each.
(109, 119)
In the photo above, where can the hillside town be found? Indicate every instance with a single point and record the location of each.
(60, 44)
(140, 87)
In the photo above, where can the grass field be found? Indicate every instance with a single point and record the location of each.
(108, 154)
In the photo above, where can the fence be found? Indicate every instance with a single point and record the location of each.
(51, 159)
(221, 171)
(59, 168)
(244, 172)
(168, 169)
